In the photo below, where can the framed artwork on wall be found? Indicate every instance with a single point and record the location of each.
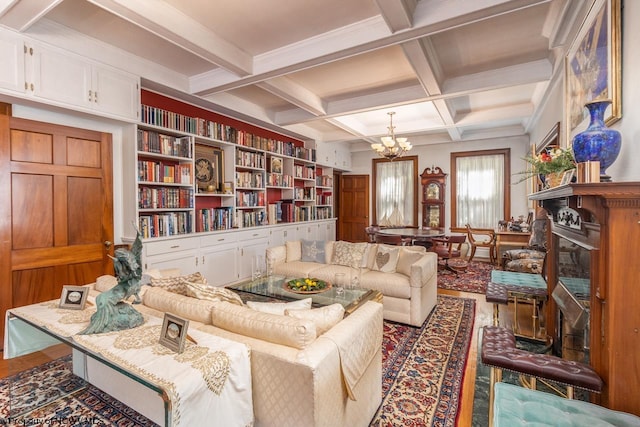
(209, 168)
(592, 66)
(276, 164)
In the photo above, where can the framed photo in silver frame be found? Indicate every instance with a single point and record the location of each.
(174, 332)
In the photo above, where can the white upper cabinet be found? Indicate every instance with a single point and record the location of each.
(65, 78)
(12, 64)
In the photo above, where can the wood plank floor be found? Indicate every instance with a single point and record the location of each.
(483, 317)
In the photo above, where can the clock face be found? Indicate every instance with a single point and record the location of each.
(204, 170)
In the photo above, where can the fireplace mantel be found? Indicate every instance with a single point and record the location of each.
(610, 227)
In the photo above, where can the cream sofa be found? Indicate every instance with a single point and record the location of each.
(409, 288)
(299, 378)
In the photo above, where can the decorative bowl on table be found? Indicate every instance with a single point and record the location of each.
(307, 285)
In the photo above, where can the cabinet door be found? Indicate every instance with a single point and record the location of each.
(12, 68)
(59, 76)
(218, 264)
(116, 92)
(251, 243)
(183, 260)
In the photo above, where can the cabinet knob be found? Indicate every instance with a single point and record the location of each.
(107, 244)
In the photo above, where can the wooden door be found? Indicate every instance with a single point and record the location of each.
(353, 215)
(56, 211)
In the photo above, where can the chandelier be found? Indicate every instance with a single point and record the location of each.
(391, 147)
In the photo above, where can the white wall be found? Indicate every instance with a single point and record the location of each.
(439, 155)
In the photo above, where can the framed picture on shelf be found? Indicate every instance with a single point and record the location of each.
(592, 66)
(74, 297)
(227, 188)
(276, 165)
(174, 332)
(567, 177)
(209, 169)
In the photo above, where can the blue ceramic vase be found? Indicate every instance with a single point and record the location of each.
(597, 142)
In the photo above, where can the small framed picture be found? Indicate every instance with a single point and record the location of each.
(276, 164)
(174, 332)
(74, 297)
(567, 177)
(228, 189)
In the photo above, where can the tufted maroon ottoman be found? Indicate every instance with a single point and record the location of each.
(499, 352)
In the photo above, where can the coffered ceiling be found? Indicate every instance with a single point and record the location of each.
(330, 70)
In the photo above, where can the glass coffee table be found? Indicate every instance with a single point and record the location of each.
(273, 288)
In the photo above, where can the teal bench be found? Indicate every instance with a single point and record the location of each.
(517, 406)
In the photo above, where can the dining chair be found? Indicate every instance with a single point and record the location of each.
(482, 238)
(447, 248)
(392, 240)
(371, 232)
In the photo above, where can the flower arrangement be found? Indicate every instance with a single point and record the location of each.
(553, 160)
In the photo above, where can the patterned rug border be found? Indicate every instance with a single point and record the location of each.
(397, 372)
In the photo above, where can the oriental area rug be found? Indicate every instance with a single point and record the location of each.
(474, 279)
(422, 368)
(422, 373)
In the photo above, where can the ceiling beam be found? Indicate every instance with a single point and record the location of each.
(22, 14)
(397, 14)
(165, 21)
(296, 94)
(429, 17)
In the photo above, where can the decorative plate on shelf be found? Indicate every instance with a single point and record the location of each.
(307, 286)
(204, 170)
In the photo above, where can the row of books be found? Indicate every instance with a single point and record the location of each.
(165, 224)
(250, 198)
(210, 129)
(324, 199)
(250, 159)
(214, 219)
(307, 172)
(251, 179)
(288, 211)
(251, 218)
(324, 181)
(168, 145)
(279, 180)
(323, 212)
(165, 198)
(304, 193)
(168, 173)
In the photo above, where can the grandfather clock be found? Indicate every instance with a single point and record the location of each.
(433, 182)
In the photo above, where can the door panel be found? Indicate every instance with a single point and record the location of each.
(56, 210)
(354, 208)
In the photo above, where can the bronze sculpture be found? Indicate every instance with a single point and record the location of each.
(113, 313)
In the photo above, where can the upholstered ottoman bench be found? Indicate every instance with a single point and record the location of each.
(517, 406)
(519, 287)
(499, 351)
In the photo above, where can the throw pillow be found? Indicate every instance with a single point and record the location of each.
(386, 259)
(325, 318)
(406, 259)
(278, 307)
(176, 284)
(106, 282)
(211, 293)
(313, 251)
(348, 254)
(294, 250)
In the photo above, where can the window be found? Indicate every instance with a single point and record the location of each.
(396, 191)
(480, 188)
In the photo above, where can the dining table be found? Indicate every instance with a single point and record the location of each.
(415, 233)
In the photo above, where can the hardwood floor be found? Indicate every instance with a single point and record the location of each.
(483, 317)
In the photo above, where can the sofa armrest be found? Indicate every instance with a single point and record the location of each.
(423, 269)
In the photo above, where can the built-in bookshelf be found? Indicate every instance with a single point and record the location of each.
(164, 183)
(199, 175)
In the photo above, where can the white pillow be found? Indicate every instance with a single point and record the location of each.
(386, 259)
(106, 282)
(348, 254)
(325, 318)
(406, 259)
(278, 307)
(212, 293)
(294, 250)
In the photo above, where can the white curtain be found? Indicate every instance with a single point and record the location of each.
(394, 201)
(480, 190)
